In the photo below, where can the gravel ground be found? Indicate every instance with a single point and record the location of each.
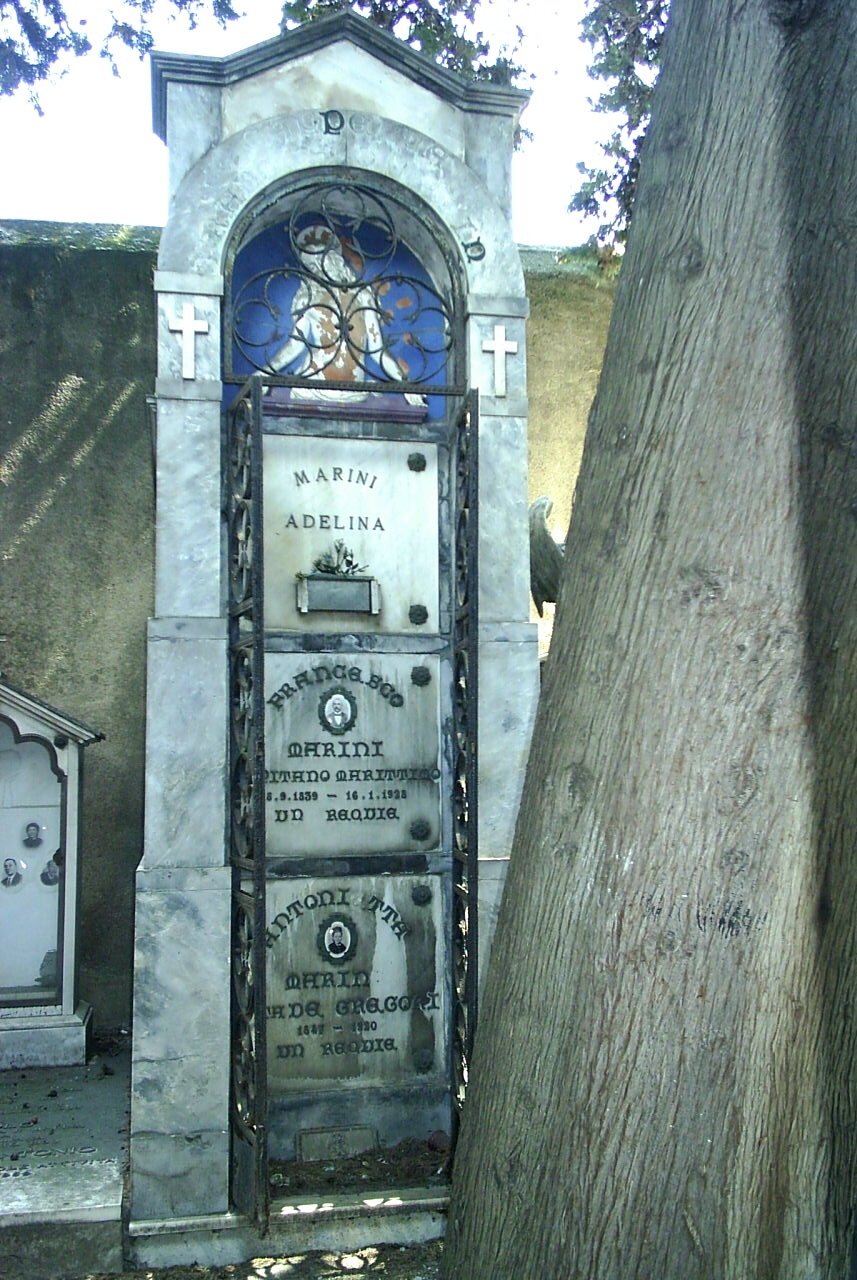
(386, 1262)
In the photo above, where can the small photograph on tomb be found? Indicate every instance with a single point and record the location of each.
(13, 873)
(32, 838)
(337, 711)
(50, 872)
(337, 939)
(331, 295)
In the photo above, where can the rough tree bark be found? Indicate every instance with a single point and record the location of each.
(664, 1084)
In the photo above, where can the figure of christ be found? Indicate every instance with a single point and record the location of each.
(337, 322)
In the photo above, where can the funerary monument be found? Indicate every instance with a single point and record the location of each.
(42, 1020)
(342, 675)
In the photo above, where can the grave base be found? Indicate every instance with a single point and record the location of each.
(46, 1040)
(340, 1224)
(391, 1114)
(56, 1250)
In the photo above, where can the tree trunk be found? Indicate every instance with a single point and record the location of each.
(664, 1084)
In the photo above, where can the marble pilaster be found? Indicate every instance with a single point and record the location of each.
(180, 1064)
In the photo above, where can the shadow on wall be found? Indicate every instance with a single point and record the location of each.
(77, 360)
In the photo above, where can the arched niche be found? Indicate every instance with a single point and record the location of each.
(32, 847)
(42, 1021)
(336, 276)
(234, 177)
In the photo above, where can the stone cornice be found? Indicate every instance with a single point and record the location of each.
(468, 95)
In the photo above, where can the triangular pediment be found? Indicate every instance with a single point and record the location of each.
(315, 37)
(16, 703)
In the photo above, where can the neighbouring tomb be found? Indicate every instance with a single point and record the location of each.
(42, 1022)
(342, 673)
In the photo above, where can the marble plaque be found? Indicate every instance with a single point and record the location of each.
(352, 753)
(32, 878)
(63, 1143)
(351, 508)
(338, 1144)
(355, 981)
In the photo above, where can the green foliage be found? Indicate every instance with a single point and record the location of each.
(341, 561)
(599, 261)
(133, 31)
(444, 30)
(37, 37)
(34, 35)
(626, 36)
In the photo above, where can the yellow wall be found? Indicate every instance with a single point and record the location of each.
(569, 314)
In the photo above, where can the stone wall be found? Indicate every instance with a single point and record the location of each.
(77, 361)
(570, 308)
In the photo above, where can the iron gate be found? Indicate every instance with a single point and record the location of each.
(248, 1102)
(465, 865)
(244, 515)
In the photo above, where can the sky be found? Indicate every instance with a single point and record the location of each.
(92, 156)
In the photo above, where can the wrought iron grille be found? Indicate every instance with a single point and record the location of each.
(243, 506)
(243, 503)
(465, 924)
(348, 302)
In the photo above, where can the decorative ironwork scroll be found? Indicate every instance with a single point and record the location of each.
(243, 478)
(465, 924)
(346, 304)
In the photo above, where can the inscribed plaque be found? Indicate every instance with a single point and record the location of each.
(351, 509)
(355, 981)
(352, 753)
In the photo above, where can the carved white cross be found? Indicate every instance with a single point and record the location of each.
(188, 327)
(501, 348)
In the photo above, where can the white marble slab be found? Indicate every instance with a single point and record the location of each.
(379, 499)
(63, 1142)
(356, 983)
(352, 753)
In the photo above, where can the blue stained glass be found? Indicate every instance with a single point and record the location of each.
(333, 296)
